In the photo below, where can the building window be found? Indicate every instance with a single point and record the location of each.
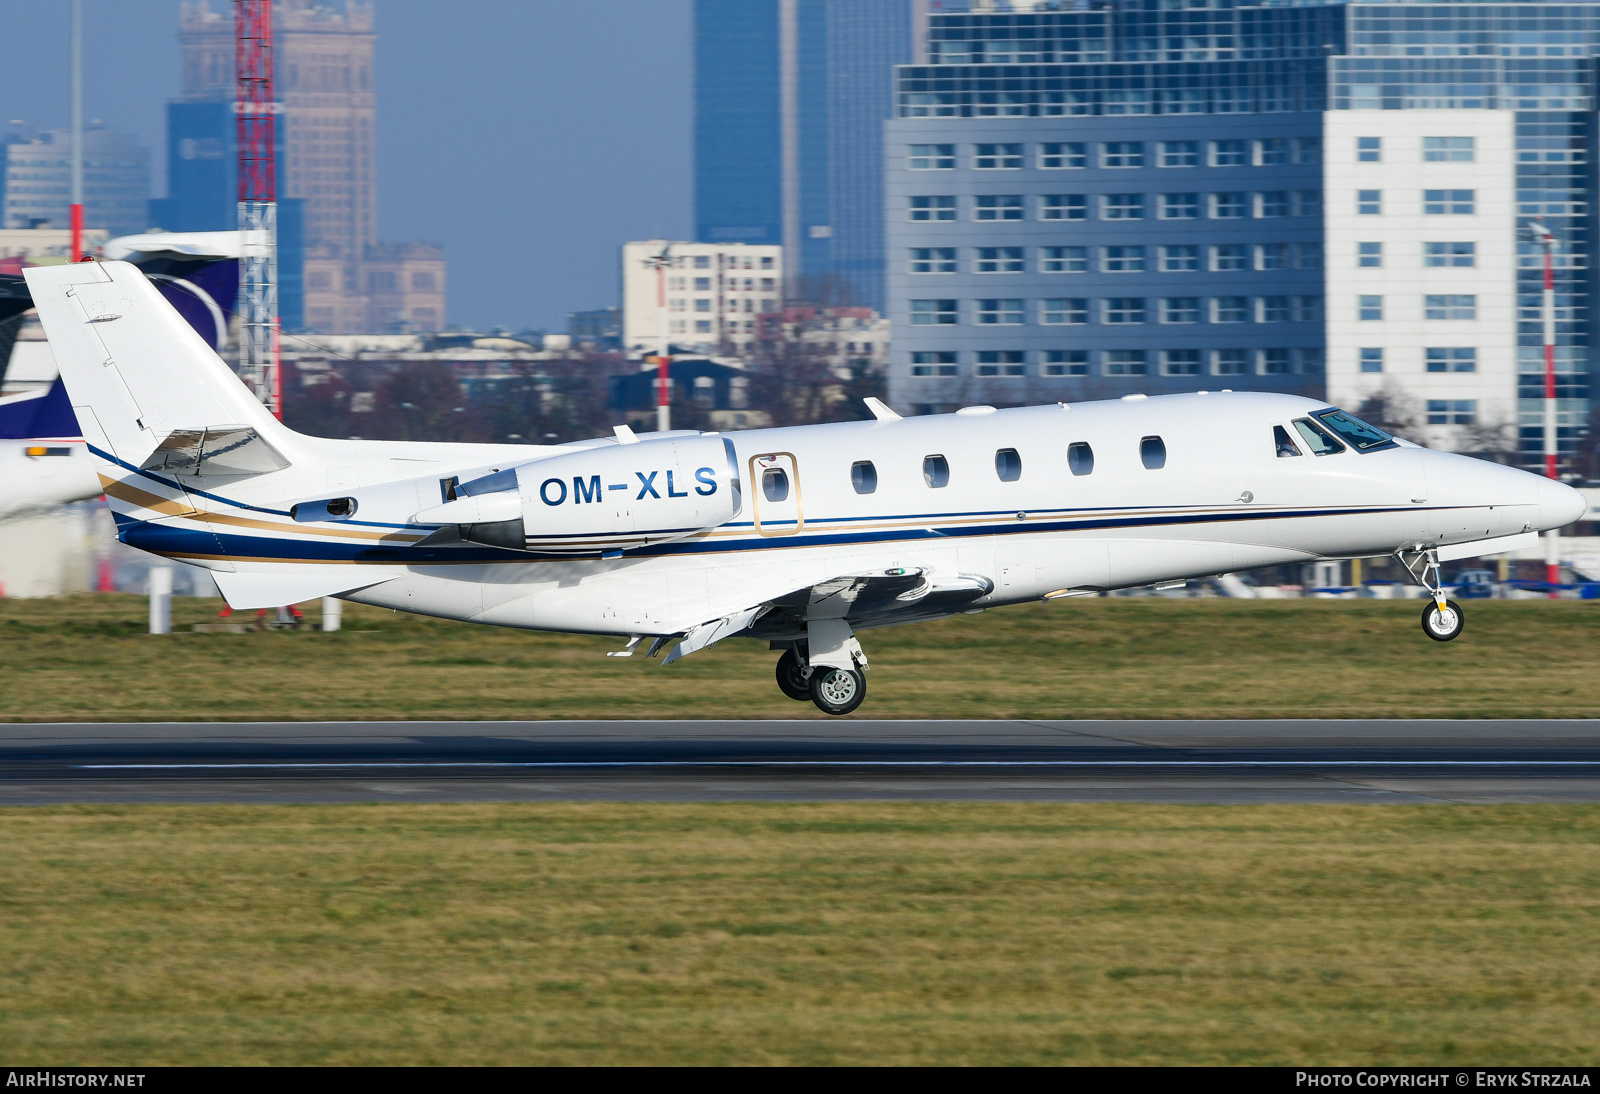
(1064, 156)
(934, 363)
(1004, 313)
(1272, 152)
(702, 262)
(1372, 359)
(1122, 154)
(1180, 206)
(1180, 309)
(1228, 206)
(1180, 153)
(1369, 202)
(1369, 255)
(1450, 254)
(1308, 203)
(703, 304)
(382, 281)
(423, 282)
(1272, 203)
(766, 262)
(1180, 362)
(1369, 307)
(932, 157)
(1070, 311)
(1122, 207)
(1230, 309)
(1229, 153)
(768, 284)
(1063, 207)
(1452, 411)
(999, 260)
(702, 284)
(702, 326)
(1308, 150)
(1274, 309)
(1123, 362)
(1001, 362)
(998, 207)
(1180, 258)
(1275, 362)
(933, 208)
(1308, 309)
(927, 260)
(1229, 362)
(1448, 202)
(926, 313)
(997, 157)
(1451, 359)
(1122, 259)
(1308, 256)
(1448, 149)
(1230, 256)
(1369, 149)
(1310, 361)
(1124, 309)
(1451, 306)
(1065, 362)
(1272, 256)
(1063, 259)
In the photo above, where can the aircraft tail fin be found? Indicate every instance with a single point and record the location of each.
(136, 371)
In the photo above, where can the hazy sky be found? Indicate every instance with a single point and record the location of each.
(530, 137)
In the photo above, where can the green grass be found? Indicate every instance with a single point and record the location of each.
(87, 659)
(792, 933)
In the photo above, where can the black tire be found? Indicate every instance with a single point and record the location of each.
(1444, 629)
(837, 691)
(794, 679)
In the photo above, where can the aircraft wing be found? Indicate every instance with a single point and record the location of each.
(872, 599)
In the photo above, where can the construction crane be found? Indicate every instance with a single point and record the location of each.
(256, 109)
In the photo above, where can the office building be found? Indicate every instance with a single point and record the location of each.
(790, 100)
(1087, 200)
(715, 294)
(37, 186)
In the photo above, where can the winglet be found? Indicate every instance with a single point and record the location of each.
(624, 434)
(879, 410)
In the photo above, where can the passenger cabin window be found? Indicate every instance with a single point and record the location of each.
(936, 471)
(863, 476)
(1317, 439)
(1008, 465)
(1080, 458)
(1153, 451)
(1354, 432)
(1282, 442)
(775, 484)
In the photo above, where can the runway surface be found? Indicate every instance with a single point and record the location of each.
(812, 759)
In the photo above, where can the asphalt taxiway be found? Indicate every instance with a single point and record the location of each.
(1306, 760)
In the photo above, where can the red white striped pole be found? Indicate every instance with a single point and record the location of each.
(75, 213)
(1552, 545)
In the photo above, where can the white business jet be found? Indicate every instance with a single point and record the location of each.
(800, 537)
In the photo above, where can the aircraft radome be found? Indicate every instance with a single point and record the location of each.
(801, 537)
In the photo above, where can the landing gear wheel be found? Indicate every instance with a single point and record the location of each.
(794, 679)
(837, 691)
(1445, 625)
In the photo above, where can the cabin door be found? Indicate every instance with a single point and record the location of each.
(775, 487)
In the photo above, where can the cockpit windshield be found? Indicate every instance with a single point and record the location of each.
(1358, 434)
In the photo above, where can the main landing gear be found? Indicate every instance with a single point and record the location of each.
(833, 690)
(1442, 620)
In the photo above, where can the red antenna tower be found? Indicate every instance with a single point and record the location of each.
(256, 108)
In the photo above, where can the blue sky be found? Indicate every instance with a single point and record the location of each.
(530, 137)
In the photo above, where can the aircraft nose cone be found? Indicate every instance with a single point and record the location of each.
(1559, 504)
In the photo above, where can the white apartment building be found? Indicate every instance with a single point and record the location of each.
(714, 294)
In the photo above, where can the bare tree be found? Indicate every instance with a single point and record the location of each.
(1392, 410)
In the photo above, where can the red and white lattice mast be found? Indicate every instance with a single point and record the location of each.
(256, 111)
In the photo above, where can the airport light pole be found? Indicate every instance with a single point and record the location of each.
(1547, 242)
(255, 107)
(75, 215)
(660, 263)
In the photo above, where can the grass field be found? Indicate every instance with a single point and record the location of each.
(784, 933)
(87, 659)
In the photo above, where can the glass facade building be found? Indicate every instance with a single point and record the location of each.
(1329, 198)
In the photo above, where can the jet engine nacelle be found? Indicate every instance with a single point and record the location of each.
(599, 500)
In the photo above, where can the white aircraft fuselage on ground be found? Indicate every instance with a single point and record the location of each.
(47, 465)
(799, 536)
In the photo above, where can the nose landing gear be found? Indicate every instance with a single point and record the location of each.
(1442, 620)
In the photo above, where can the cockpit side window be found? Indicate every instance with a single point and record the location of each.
(1317, 439)
(1282, 442)
(1354, 432)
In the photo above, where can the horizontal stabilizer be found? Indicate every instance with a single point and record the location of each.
(1479, 548)
(215, 452)
(274, 590)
